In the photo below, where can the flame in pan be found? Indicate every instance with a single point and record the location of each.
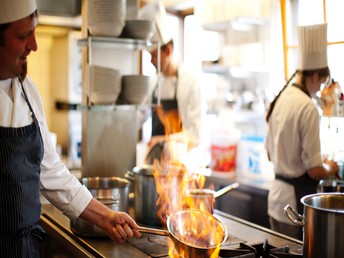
(172, 183)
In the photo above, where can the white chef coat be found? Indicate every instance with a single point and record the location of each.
(191, 102)
(57, 184)
(293, 144)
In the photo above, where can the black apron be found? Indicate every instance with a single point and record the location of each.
(21, 153)
(303, 185)
(167, 105)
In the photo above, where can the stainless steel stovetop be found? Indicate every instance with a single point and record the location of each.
(245, 239)
(156, 246)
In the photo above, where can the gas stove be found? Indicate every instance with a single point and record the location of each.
(158, 247)
(263, 250)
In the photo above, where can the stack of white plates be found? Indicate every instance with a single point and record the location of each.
(103, 84)
(106, 17)
(139, 29)
(135, 88)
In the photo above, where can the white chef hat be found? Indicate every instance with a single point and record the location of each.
(312, 46)
(13, 10)
(156, 11)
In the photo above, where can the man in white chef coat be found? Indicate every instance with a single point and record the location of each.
(182, 105)
(29, 163)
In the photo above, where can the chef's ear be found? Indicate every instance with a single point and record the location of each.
(169, 49)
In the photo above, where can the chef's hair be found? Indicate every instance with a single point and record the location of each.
(163, 47)
(4, 26)
(324, 72)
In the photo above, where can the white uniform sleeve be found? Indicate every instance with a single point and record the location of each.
(57, 184)
(191, 104)
(310, 153)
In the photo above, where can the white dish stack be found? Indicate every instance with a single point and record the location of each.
(139, 29)
(135, 88)
(106, 17)
(103, 84)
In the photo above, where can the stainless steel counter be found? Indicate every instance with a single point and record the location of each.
(57, 227)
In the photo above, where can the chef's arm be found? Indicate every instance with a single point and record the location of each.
(118, 225)
(328, 168)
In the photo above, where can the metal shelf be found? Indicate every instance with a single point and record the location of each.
(115, 43)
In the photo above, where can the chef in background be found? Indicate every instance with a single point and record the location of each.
(182, 104)
(29, 163)
(292, 141)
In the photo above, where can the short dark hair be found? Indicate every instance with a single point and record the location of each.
(3, 27)
(163, 47)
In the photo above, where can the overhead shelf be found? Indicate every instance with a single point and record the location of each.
(239, 23)
(234, 70)
(115, 43)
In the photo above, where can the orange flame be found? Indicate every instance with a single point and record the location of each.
(173, 182)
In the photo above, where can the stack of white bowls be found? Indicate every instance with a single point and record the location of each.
(135, 88)
(106, 17)
(103, 84)
(139, 29)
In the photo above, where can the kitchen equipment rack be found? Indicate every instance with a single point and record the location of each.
(110, 132)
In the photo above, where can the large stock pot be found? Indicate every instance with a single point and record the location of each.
(112, 192)
(323, 222)
(145, 191)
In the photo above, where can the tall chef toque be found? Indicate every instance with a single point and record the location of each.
(156, 11)
(312, 47)
(13, 10)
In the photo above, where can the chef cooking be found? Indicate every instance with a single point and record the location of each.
(292, 142)
(182, 106)
(29, 163)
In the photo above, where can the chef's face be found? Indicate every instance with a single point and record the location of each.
(319, 80)
(18, 41)
(164, 55)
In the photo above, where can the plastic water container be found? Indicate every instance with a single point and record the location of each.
(223, 149)
(252, 160)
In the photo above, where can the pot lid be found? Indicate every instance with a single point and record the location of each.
(147, 170)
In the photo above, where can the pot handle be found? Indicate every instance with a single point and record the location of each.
(107, 200)
(293, 215)
(154, 231)
(226, 189)
(130, 175)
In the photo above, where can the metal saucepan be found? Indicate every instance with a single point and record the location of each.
(330, 185)
(204, 199)
(145, 191)
(186, 228)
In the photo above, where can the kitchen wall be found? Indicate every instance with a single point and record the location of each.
(49, 68)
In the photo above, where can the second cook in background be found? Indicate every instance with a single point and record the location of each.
(293, 140)
(182, 104)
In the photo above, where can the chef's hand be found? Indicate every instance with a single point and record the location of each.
(119, 226)
(332, 167)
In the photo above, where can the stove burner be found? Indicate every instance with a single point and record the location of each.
(264, 250)
(161, 240)
(158, 246)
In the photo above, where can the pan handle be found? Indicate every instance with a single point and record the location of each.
(293, 215)
(226, 189)
(154, 231)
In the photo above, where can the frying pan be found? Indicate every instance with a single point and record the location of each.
(186, 229)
